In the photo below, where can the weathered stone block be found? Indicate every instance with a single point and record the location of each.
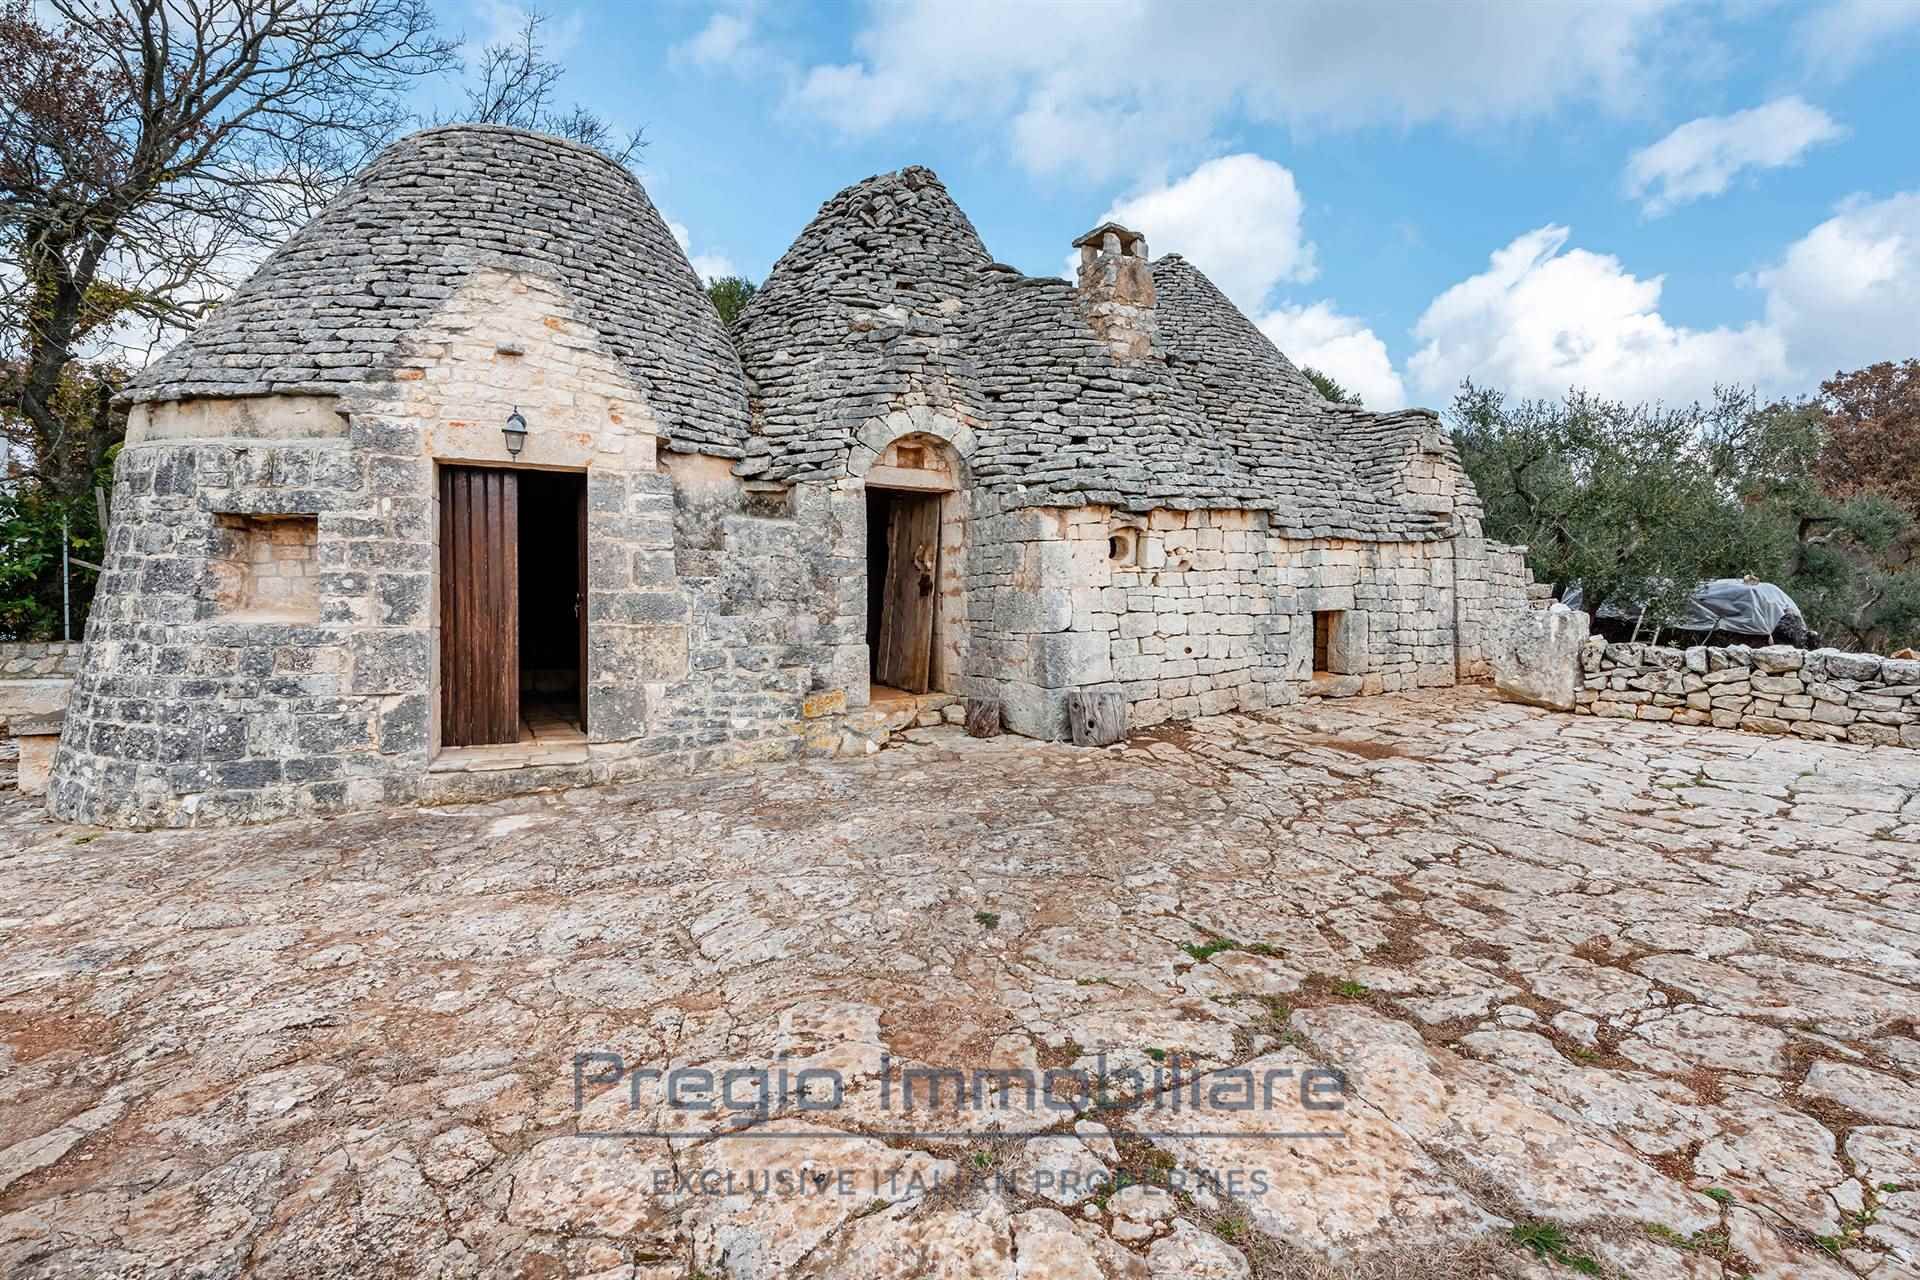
(1035, 611)
(1032, 711)
(642, 654)
(616, 712)
(388, 661)
(1070, 658)
(827, 702)
(1536, 656)
(405, 725)
(1834, 713)
(1850, 666)
(1778, 658)
(36, 761)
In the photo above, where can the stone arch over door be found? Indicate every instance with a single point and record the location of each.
(879, 433)
(911, 468)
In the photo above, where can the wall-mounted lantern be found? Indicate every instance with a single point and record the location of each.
(516, 432)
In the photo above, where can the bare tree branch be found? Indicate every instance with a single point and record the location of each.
(516, 85)
(150, 151)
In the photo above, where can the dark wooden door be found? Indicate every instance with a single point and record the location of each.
(905, 659)
(580, 596)
(479, 606)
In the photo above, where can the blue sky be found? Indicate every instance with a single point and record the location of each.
(1640, 196)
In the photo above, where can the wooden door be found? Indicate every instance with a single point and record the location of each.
(580, 594)
(905, 659)
(479, 606)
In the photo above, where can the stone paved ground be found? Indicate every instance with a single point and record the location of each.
(1642, 996)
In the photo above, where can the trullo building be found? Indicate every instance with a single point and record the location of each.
(468, 491)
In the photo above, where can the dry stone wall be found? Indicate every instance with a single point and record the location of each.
(39, 658)
(1823, 693)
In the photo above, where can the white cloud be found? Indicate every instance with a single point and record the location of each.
(708, 266)
(712, 266)
(1122, 90)
(1236, 218)
(1702, 157)
(1341, 347)
(1848, 292)
(1543, 318)
(1239, 219)
(721, 42)
(1840, 35)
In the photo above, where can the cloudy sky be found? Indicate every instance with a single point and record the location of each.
(1643, 197)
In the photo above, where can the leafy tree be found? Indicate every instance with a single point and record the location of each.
(1873, 433)
(730, 296)
(1642, 503)
(516, 86)
(1620, 498)
(31, 522)
(1328, 388)
(1828, 548)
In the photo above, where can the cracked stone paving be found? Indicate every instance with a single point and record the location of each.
(1606, 999)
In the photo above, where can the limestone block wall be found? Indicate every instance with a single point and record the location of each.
(1823, 693)
(775, 582)
(1492, 582)
(185, 706)
(1397, 605)
(722, 620)
(1198, 612)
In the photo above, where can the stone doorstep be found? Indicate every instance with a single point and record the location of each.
(1323, 685)
(507, 755)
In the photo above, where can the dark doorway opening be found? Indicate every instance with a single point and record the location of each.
(553, 602)
(1324, 622)
(513, 597)
(903, 570)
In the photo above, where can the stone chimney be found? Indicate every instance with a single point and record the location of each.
(1116, 289)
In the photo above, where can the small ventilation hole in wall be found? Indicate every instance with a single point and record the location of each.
(1123, 548)
(264, 568)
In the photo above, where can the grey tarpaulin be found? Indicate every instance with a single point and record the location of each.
(1725, 604)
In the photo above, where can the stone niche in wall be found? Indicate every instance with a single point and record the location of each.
(263, 568)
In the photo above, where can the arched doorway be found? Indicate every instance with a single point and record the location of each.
(915, 508)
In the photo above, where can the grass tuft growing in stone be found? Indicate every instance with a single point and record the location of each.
(1205, 951)
(1550, 1244)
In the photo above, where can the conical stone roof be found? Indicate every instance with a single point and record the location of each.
(331, 306)
(865, 310)
(889, 299)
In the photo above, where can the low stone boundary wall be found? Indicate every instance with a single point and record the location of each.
(1819, 693)
(51, 658)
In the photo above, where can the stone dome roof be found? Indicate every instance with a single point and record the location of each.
(889, 299)
(331, 306)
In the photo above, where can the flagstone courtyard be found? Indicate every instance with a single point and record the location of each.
(1603, 998)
